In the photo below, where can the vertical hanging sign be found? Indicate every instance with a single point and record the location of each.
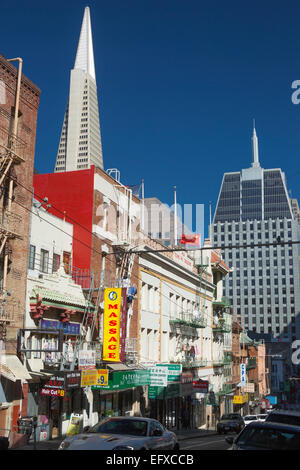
(123, 324)
(111, 324)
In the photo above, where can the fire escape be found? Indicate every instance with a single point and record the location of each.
(12, 152)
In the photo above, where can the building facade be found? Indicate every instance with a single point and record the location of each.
(254, 209)
(18, 119)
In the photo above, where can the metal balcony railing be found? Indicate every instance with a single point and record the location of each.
(193, 363)
(131, 345)
(10, 146)
(188, 319)
(251, 364)
(221, 326)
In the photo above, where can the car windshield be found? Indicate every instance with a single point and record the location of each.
(271, 439)
(121, 426)
(230, 416)
(284, 418)
(250, 418)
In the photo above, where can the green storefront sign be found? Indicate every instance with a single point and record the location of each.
(161, 393)
(174, 371)
(119, 380)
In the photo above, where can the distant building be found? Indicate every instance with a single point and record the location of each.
(295, 209)
(160, 222)
(80, 141)
(254, 208)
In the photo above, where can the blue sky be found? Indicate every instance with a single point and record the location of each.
(179, 83)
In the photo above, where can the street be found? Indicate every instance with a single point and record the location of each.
(205, 443)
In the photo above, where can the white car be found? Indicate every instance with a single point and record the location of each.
(262, 417)
(123, 433)
(249, 419)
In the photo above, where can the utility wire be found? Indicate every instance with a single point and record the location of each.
(80, 241)
(135, 252)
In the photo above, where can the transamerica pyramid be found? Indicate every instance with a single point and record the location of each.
(80, 141)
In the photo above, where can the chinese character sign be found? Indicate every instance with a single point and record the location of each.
(243, 373)
(111, 324)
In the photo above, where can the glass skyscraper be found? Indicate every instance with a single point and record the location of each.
(254, 208)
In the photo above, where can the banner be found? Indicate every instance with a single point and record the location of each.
(86, 359)
(89, 377)
(193, 239)
(111, 324)
(243, 374)
(123, 324)
(102, 378)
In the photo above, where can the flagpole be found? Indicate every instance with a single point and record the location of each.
(210, 239)
(143, 206)
(175, 217)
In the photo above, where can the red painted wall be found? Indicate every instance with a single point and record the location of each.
(72, 192)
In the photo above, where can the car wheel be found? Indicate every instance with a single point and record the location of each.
(176, 447)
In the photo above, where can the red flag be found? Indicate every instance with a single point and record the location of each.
(190, 239)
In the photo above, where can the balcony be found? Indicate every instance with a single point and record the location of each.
(222, 305)
(190, 363)
(131, 345)
(11, 147)
(188, 319)
(221, 326)
(227, 388)
(131, 351)
(251, 364)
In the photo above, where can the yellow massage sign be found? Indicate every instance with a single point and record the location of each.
(111, 324)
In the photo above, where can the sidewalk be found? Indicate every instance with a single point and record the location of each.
(181, 435)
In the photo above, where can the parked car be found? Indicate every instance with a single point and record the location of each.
(230, 422)
(123, 433)
(284, 416)
(266, 436)
(249, 419)
(262, 417)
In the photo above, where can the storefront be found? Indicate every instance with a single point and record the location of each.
(164, 404)
(124, 394)
(59, 397)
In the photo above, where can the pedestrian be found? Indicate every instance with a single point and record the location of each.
(185, 418)
(207, 425)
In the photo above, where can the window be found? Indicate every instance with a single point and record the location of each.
(44, 261)
(67, 261)
(56, 262)
(31, 260)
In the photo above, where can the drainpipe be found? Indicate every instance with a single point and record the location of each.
(12, 144)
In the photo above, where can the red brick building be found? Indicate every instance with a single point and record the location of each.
(19, 102)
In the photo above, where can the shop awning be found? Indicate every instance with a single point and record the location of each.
(37, 376)
(13, 369)
(56, 298)
(7, 373)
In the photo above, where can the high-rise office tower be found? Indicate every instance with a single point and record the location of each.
(80, 141)
(254, 208)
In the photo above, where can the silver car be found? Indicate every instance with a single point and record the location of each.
(123, 433)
